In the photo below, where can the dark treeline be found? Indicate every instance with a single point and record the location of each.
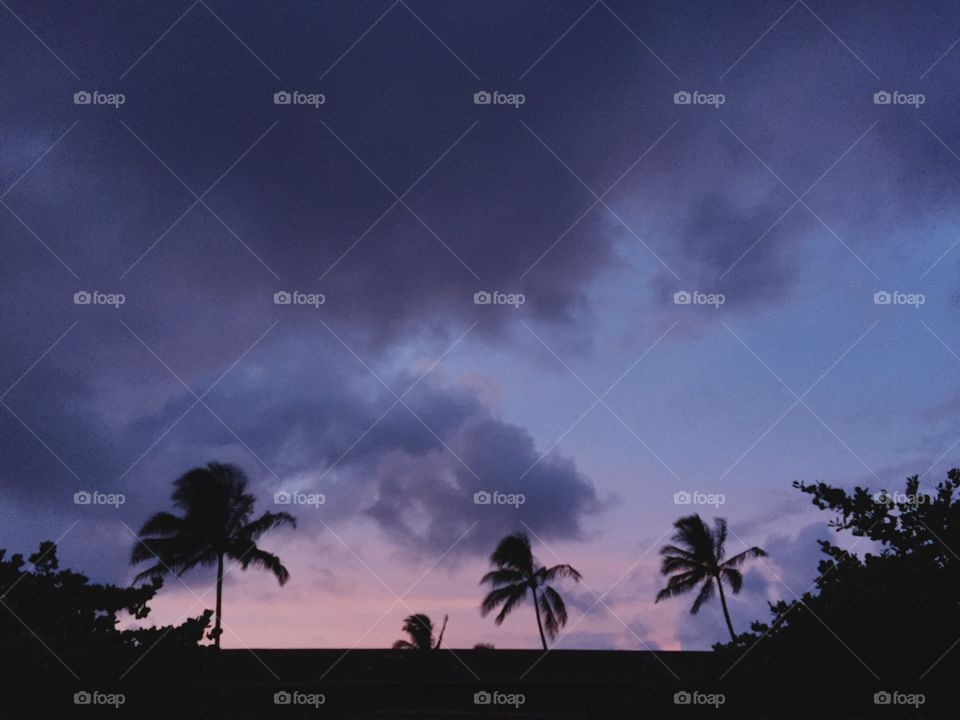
(882, 620)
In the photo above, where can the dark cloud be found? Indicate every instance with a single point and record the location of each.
(734, 251)
(303, 201)
(430, 502)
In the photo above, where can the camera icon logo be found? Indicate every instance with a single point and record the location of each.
(81, 298)
(82, 98)
(82, 698)
(282, 497)
(883, 498)
(882, 97)
(682, 298)
(82, 498)
(882, 298)
(482, 98)
(482, 698)
(682, 698)
(682, 98)
(282, 697)
(282, 98)
(682, 498)
(482, 498)
(482, 298)
(282, 297)
(882, 698)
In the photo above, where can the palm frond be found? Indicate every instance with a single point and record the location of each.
(671, 563)
(420, 629)
(499, 578)
(514, 552)
(706, 592)
(267, 561)
(151, 573)
(719, 538)
(733, 577)
(557, 616)
(738, 560)
(560, 571)
(151, 549)
(268, 521)
(162, 523)
(693, 533)
(497, 597)
(680, 584)
(678, 552)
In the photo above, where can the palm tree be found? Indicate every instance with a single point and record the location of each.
(216, 524)
(518, 572)
(419, 628)
(700, 559)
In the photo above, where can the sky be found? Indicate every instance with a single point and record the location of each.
(802, 201)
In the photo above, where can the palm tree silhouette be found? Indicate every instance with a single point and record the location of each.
(419, 628)
(215, 525)
(517, 572)
(700, 559)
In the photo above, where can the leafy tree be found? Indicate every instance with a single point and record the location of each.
(216, 524)
(516, 573)
(419, 628)
(56, 626)
(885, 608)
(697, 559)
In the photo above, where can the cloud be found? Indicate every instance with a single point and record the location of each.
(429, 501)
(729, 249)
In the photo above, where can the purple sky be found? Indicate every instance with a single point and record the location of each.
(598, 199)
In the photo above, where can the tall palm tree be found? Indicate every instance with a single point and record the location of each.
(216, 524)
(516, 573)
(419, 628)
(698, 557)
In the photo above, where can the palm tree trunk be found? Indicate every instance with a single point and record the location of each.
(216, 627)
(726, 613)
(539, 623)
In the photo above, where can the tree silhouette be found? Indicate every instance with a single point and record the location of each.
(419, 628)
(215, 525)
(699, 560)
(896, 602)
(55, 624)
(516, 573)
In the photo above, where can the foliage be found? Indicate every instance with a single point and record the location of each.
(55, 625)
(516, 573)
(884, 610)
